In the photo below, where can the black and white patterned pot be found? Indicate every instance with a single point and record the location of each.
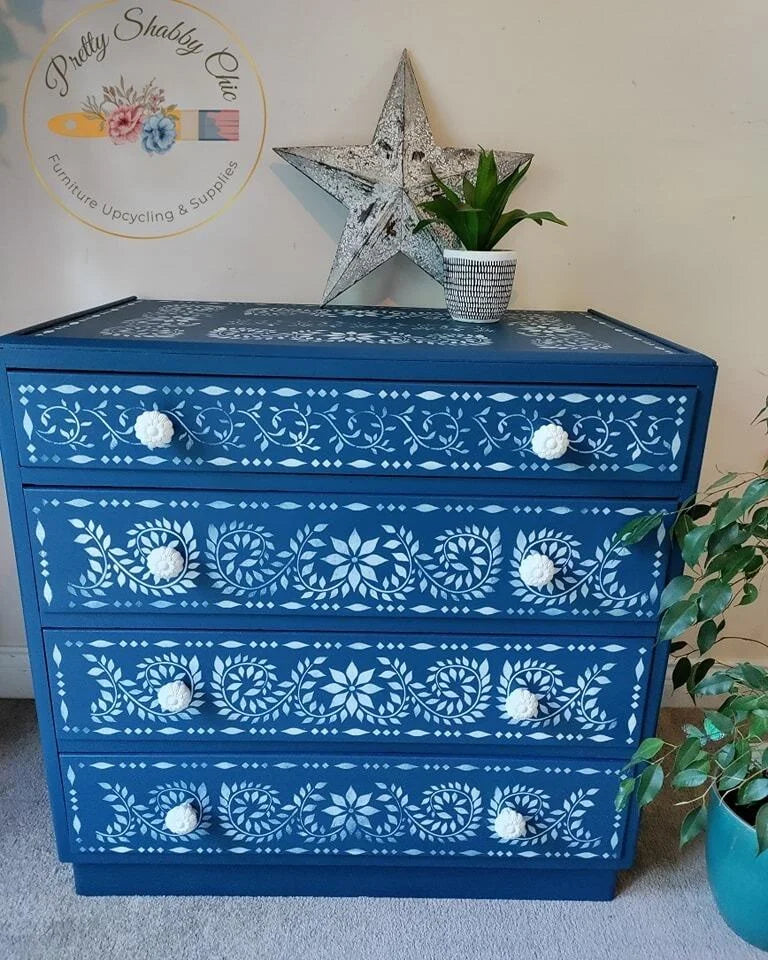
(478, 283)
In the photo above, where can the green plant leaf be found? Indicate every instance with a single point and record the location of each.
(707, 636)
(649, 783)
(714, 598)
(687, 753)
(508, 220)
(714, 685)
(646, 751)
(692, 777)
(624, 792)
(449, 194)
(722, 482)
(699, 670)
(755, 492)
(468, 190)
(695, 543)
(732, 562)
(691, 730)
(638, 529)
(680, 672)
(761, 828)
(678, 618)
(725, 755)
(694, 822)
(717, 726)
(728, 509)
(501, 193)
(734, 773)
(487, 178)
(749, 594)
(751, 675)
(675, 590)
(731, 536)
(753, 791)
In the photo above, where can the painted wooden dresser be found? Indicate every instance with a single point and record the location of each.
(332, 601)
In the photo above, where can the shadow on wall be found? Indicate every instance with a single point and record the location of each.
(15, 15)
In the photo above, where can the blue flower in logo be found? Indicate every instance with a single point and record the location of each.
(158, 134)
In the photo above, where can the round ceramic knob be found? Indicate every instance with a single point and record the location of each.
(536, 570)
(165, 563)
(174, 697)
(509, 824)
(153, 429)
(549, 442)
(182, 819)
(521, 704)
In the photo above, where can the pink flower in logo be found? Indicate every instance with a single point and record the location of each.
(124, 124)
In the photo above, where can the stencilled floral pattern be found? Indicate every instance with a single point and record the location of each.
(255, 812)
(331, 806)
(273, 554)
(303, 323)
(561, 699)
(454, 692)
(577, 577)
(464, 563)
(546, 822)
(132, 819)
(112, 565)
(305, 425)
(311, 688)
(123, 695)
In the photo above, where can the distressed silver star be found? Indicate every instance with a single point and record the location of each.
(383, 182)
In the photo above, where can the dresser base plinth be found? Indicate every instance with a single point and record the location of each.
(302, 881)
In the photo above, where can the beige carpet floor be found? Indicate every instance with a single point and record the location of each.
(664, 908)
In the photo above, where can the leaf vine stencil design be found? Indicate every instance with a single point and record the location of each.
(454, 691)
(342, 555)
(560, 698)
(401, 428)
(120, 694)
(132, 818)
(110, 565)
(463, 563)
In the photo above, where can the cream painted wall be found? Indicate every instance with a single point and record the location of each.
(649, 122)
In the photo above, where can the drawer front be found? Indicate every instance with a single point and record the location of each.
(305, 426)
(546, 691)
(328, 805)
(124, 551)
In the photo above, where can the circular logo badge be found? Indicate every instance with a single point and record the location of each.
(144, 120)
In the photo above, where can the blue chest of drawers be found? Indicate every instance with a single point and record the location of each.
(332, 601)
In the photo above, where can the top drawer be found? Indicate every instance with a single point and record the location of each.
(270, 425)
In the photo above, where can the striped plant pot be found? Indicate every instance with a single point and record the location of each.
(478, 283)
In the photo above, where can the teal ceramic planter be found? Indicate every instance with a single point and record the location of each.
(738, 877)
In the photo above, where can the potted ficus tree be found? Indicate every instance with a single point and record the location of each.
(479, 278)
(719, 766)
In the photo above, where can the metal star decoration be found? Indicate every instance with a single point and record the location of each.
(383, 182)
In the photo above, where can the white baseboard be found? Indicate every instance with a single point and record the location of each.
(15, 677)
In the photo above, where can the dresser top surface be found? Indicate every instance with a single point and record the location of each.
(353, 332)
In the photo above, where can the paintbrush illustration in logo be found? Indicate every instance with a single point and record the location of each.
(125, 114)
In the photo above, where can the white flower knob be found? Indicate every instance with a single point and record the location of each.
(153, 429)
(174, 697)
(182, 819)
(536, 570)
(549, 442)
(521, 704)
(164, 563)
(509, 824)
